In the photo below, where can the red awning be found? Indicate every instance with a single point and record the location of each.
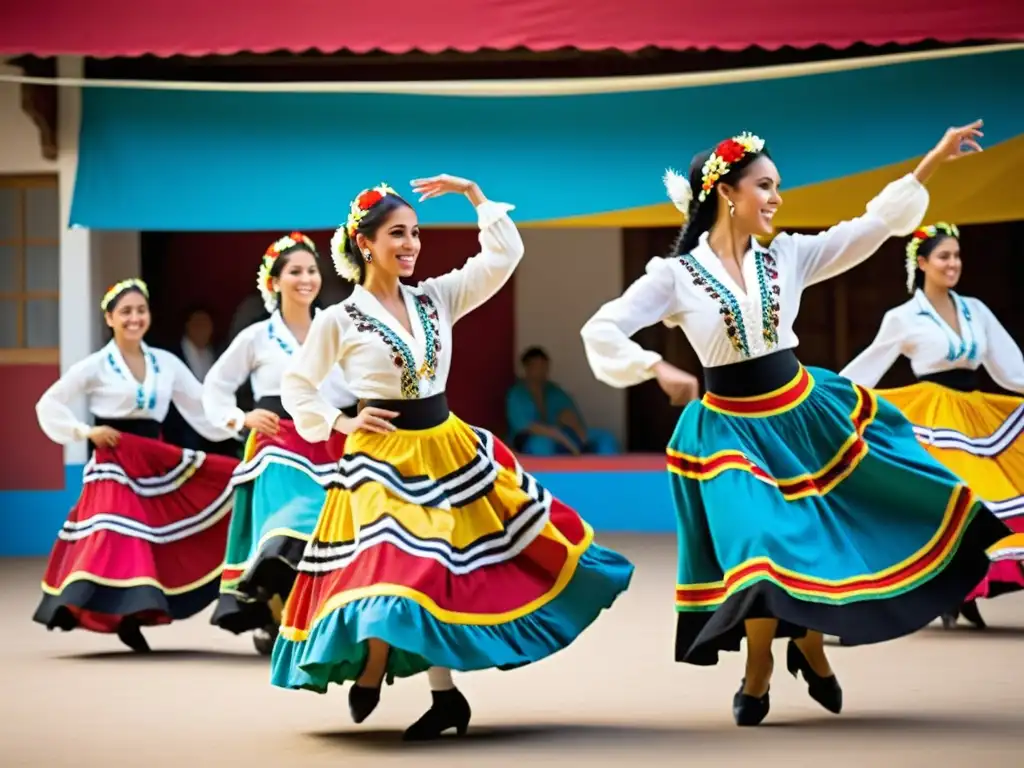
(105, 28)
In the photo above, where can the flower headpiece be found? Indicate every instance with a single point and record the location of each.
(264, 282)
(920, 235)
(118, 288)
(726, 154)
(360, 206)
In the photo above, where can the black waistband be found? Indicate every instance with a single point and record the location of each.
(750, 378)
(273, 404)
(960, 379)
(140, 427)
(414, 414)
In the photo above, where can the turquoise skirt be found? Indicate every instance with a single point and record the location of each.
(814, 504)
(280, 488)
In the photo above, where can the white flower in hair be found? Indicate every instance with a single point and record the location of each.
(679, 192)
(342, 263)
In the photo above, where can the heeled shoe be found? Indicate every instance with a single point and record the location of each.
(130, 633)
(449, 710)
(824, 690)
(970, 612)
(750, 710)
(263, 639)
(362, 701)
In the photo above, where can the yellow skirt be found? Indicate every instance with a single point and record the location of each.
(439, 543)
(980, 438)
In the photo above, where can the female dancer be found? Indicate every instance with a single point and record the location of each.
(280, 484)
(435, 550)
(805, 506)
(947, 337)
(145, 542)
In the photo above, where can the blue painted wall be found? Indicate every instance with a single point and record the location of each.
(634, 502)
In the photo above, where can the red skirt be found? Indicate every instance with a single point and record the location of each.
(145, 539)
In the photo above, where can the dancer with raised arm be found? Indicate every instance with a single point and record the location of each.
(280, 486)
(947, 338)
(435, 550)
(144, 543)
(804, 503)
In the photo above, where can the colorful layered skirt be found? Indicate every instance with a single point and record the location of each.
(280, 488)
(813, 504)
(979, 437)
(145, 539)
(435, 540)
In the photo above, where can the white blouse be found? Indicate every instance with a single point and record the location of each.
(914, 329)
(113, 393)
(724, 323)
(378, 357)
(260, 353)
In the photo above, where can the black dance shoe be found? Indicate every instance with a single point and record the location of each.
(129, 633)
(449, 710)
(362, 701)
(263, 639)
(970, 612)
(750, 710)
(824, 690)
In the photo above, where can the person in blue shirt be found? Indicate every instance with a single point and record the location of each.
(543, 420)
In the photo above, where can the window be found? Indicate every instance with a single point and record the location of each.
(29, 269)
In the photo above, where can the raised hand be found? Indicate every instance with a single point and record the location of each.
(435, 186)
(958, 142)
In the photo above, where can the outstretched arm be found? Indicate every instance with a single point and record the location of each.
(896, 211)
(301, 395)
(53, 411)
(230, 372)
(619, 361)
(872, 364)
(1003, 358)
(187, 396)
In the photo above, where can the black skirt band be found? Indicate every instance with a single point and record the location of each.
(751, 378)
(424, 413)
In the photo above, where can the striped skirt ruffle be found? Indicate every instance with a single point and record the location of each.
(280, 488)
(145, 539)
(979, 437)
(815, 505)
(437, 542)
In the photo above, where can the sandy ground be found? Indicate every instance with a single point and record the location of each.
(614, 697)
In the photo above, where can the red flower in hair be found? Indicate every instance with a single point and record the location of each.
(730, 151)
(920, 234)
(369, 199)
(298, 237)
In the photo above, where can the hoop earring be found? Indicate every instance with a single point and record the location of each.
(367, 256)
(732, 208)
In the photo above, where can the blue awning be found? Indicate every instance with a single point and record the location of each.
(189, 160)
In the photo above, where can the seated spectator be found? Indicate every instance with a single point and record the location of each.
(543, 420)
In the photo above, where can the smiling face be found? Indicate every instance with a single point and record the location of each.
(395, 246)
(299, 279)
(755, 195)
(942, 265)
(129, 318)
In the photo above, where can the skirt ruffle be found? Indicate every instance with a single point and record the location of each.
(145, 539)
(815, 505)
(437, 542)
(979, 437)
(280, 488)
